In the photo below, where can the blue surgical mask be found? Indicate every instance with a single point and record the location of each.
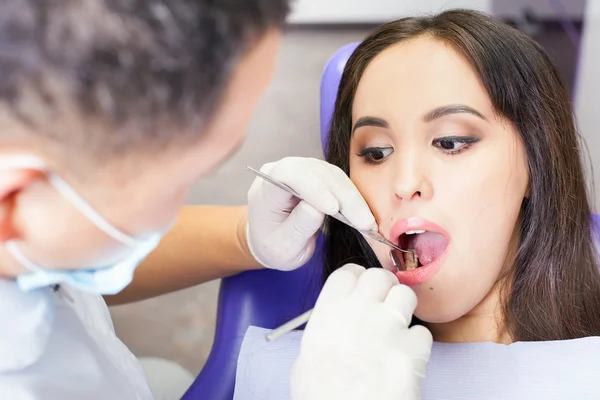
(107, 279)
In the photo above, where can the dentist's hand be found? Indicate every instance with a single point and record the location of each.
(282, 231)
(357, 344)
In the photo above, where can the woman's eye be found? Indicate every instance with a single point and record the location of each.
(374, 155)
(454, 144)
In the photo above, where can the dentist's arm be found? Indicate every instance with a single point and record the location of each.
(276, 229)
(206, 243)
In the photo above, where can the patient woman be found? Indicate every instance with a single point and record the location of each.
(460, 135)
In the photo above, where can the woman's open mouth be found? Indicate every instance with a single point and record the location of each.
(425, 247)
(427, 243)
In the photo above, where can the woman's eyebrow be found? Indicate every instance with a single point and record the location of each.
(451, 109)
(370, 121)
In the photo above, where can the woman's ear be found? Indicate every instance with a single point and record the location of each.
(12, 183)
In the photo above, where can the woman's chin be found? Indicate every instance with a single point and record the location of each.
(435, 316)
(438, 309)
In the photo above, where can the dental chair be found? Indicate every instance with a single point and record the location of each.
(268, 298)
(265, 298)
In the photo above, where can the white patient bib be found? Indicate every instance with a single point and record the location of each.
(61, 345)
(561, 370)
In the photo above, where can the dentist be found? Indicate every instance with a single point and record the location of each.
(109, 111)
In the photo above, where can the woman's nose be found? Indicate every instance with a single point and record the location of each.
(411, 180)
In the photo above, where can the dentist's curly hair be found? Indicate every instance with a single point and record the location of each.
(554, 288)
(146, 72)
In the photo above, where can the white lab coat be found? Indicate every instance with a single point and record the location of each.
(61, 345)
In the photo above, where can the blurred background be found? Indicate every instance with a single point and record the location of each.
(180, 326)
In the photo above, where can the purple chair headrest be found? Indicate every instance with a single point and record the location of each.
(330, 82)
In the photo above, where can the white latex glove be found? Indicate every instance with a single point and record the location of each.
(357, 344)
(281, 230)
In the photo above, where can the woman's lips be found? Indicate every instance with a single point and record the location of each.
(421, 274)
(431, 249)
(415, 224)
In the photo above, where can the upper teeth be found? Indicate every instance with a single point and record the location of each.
(416, 231)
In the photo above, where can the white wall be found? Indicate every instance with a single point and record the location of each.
(542, 8)
(364, 11)
(587, 100)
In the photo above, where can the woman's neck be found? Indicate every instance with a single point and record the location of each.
(484, 323)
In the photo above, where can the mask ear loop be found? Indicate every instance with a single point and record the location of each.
(88, 211)
(33, 162)
(13, 250)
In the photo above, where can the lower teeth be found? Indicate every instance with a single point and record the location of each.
(411, 261)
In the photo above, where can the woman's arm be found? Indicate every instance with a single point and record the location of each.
(206, 243)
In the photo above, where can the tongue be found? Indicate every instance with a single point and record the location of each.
(429, 246)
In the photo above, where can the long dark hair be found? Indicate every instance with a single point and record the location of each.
(555, 289)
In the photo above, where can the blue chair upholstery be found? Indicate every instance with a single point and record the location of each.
(264, 298)
(268, 298)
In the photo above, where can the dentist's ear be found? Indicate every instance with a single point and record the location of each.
(12, 183)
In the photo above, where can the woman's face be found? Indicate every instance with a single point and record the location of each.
(429, 154)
